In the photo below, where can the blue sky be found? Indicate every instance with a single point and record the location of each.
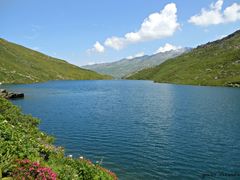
(69, 29)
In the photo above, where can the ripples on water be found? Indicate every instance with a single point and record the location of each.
(141, 130)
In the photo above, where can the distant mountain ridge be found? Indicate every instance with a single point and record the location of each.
(19, 64)
(215, 63)
(125, 67)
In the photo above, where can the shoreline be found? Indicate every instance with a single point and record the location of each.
(34, 146)
(170, 83)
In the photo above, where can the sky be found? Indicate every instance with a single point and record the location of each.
(94, 31)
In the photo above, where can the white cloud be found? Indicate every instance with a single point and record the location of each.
(222, 36)
(97, 47)
(232, 13)
(167, 47)
(115, 42)
(140, 54)
(35, 48)
(216, 15)
(156, 26)
(94, 63)
(90, 63)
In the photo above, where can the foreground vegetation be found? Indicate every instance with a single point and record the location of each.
(216, 64)
(22, 65)
(27, 152)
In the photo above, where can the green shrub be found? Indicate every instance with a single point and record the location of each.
(21, 139)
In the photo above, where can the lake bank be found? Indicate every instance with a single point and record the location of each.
(23, 145)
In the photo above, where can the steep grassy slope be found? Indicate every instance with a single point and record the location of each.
(28, 153)
(125, 67)
(22, 65)
(216, 63)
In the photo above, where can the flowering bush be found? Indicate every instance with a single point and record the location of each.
(28, 170)
(111, 174)
(20, 139)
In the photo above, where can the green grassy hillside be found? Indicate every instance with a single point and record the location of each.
(28, 153)
(22, 65)
(216, 64)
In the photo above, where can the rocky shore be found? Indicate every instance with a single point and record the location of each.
(10, 95)
(234, 84)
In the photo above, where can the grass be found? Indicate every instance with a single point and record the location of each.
(22, 65)
(213, 64)
(21, 140)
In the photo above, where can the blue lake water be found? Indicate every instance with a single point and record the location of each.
(142, 130)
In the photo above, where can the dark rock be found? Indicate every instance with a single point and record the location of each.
(3, 91)
(233, 84)
(10, 95)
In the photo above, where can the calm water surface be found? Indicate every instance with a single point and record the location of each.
(139, 129)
